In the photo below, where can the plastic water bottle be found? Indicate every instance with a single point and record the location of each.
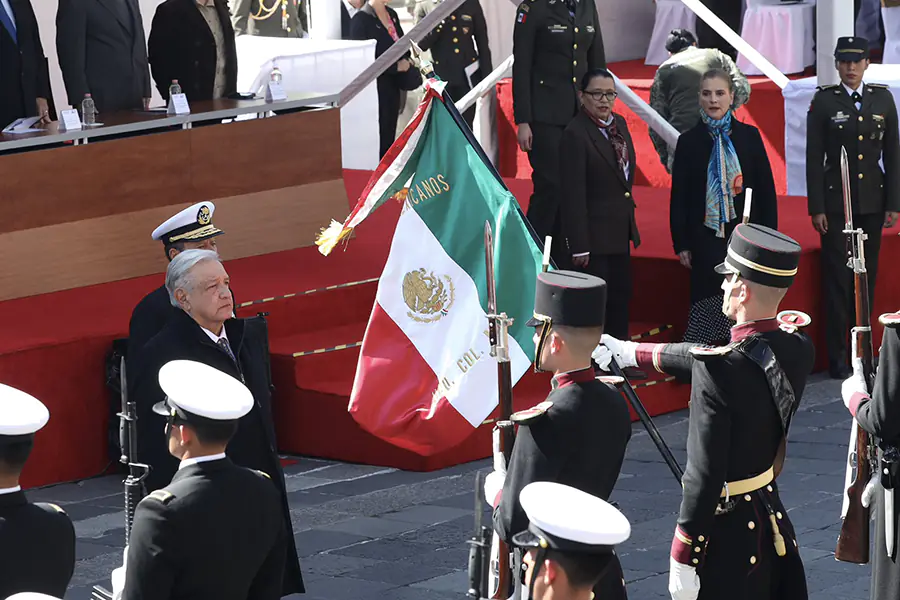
(175, 88)
(88, 111)
(276, 75)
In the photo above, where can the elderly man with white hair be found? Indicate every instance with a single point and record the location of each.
(203, 329)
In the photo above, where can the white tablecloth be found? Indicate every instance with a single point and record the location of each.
(323, 66)
(781, 33)
(670, 14)
(797, 96)
(891, 17)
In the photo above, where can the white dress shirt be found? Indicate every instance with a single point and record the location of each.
(859, 90)
(200, 459)
(350, 10)
(215, 338)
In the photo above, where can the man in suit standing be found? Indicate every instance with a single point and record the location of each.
(597, 164)
(193, 41)
(102, 52)
(460, 51)
(863, 119)
(267, 18)
(348, 9)
(24, 77)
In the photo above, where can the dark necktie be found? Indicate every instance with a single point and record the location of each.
(570, 4)
(7, 21)
(226, 348)
(856, 97)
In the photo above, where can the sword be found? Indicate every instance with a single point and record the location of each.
(889, 521)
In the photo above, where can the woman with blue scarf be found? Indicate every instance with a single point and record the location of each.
(714, 163)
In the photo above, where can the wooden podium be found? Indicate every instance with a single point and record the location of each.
(78, 208)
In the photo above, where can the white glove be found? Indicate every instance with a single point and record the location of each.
(856, 383)
(118, 577)
(493, 485)
(684, 583)
(873, 486)
(625, 352)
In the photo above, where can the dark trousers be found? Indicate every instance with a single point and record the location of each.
(456, 92)
(388, 113)
(615, 270)
(730, 11)
(543, 209)
(837, 280)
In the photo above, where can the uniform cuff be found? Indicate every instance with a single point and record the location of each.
(497, 498)
(647, 355)
(855, 400)
(688, 550)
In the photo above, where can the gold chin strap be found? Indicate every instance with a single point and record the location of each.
(547, 323)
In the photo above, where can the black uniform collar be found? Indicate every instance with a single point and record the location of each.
(210, 466)
(13, 499)
(571, 377)
(745, 330)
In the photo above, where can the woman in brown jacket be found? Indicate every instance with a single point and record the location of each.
(597, 165)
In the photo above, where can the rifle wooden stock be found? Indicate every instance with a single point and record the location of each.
(853, 540)
(504, 570)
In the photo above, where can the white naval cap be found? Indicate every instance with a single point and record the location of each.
(31, 596)
(20, 413)
(194, 389)
(192, 224)
(569, 520)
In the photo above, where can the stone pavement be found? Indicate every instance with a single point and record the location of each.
(368, 532)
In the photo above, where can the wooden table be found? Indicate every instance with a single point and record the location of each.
(75, 213)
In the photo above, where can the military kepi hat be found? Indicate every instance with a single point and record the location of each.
(762, 255)
(851, 48)
(569, 298)
(567, 519)
(193, 224)
(21, 415)
(196, 392)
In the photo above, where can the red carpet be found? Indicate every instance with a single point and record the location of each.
(54, 345)
(765, 110)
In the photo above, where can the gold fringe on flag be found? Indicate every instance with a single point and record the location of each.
(331, 236)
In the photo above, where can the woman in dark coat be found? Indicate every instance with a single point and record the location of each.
(715, 162)
(378, 21)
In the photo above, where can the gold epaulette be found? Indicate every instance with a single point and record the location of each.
(55, 507)
(612, 380)
(530, 415)
(707, 352)
(264, 474)
(881, 86)
(162, 496)
(822, 88)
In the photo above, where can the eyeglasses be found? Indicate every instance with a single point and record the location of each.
(597, 96)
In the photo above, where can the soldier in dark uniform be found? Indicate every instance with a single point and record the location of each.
(578, 435)
(192, 228)
(879, 415)
(216, 530)
(460, 51)
(862, 118)
(555, 42)
(37, 541)
(734, 538)
(567, 550)
(267, 18)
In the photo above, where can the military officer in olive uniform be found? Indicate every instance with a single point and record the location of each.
(460, 51)
(555, 42)
(216, 531)
(878, 413)
(578, 435)
(734, 538)
(862, 118)
(267, 18)
(37, 541)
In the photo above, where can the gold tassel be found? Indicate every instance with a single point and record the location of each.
(331, 236)
(779, 540)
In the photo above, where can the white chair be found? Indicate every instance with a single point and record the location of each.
(783, 33)
(670, 14)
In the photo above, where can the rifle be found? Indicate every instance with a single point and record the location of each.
(479, 546)
(137, 472)
(504, 433)
(853, 540)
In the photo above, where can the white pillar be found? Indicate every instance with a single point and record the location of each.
(325, 20)
(834, 19)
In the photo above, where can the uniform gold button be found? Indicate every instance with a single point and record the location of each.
(859, 157)
(455, 40)
(574, 63)
(860, 175)
(456, 50)
(696, 561)
(574, 46)
(628, 195)
(769, 487)
(747, 498)
(696, 549)
(574, 80)
(778, 515)
(453, 18)
(751, 525)
(700, 538)
(752, 560)
(454, 28)
(860, 138)
(576, 30)
(860, 118)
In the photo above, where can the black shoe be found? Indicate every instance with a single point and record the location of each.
(839, 371)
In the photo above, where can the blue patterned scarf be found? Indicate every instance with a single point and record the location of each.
(724, 179)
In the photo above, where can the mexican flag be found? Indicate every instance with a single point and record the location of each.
(425, 378)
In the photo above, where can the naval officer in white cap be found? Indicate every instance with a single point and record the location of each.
(570, 540)
(37, 541)
(192, 228)
(216, 531)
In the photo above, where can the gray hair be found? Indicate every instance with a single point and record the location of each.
(178, 275)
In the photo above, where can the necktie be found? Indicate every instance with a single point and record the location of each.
(7, 21)
(856, 97)
(226, 348)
